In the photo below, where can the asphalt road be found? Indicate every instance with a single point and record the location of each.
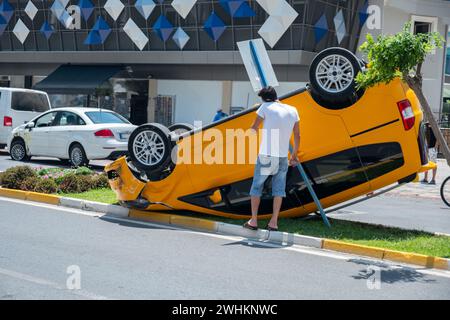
(6, 162)
(408, 213)
(120, 259)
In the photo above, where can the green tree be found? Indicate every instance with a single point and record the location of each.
(402, 55)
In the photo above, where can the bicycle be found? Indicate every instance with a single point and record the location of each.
(445, 191)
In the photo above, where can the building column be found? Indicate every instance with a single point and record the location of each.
(152, 94)
(17, 81)
(227, 94)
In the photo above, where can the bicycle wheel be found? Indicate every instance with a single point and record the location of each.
(445, 191)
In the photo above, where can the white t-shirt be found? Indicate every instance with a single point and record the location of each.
(279, 121)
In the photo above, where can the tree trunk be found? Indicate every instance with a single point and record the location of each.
(417, 88)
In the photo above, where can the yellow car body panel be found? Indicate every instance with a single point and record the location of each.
(374, 119)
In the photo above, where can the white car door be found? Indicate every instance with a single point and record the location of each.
(67, 124)
(37, 138)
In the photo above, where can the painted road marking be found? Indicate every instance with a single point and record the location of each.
(50, 284)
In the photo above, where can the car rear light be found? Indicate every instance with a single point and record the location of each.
(105, 133)
(7, 121)
(407, 113)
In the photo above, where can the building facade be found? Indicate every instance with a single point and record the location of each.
(176, 60)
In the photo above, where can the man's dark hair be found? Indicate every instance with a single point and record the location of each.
(268, 94)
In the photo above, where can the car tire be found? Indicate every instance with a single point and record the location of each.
(181, 128)
(150, 147)
(332, 78)
(18, 150)
(77, 155)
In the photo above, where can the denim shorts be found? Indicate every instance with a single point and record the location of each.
(267, 166)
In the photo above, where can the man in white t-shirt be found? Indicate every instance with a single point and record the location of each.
(280, 121)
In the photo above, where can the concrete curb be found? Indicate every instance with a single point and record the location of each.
(282, 238)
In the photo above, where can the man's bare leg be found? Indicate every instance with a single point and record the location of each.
(255, 207)
(277, 201)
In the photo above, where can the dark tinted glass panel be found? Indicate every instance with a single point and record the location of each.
(330, 175)
(29, 101)
(105, 117)
(379, 159)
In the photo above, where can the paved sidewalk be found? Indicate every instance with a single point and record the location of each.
(425, 191)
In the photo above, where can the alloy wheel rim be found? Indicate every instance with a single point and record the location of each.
(149, 148)
(335, 73)
(77, 156)
(18, 152)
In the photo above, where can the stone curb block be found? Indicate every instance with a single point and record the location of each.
(44, 198)
(105, 208)
(193, 223)
(308, 241)
(71, 203)
(16, 194)
(417, 259)
(353, 248)
(149, 216)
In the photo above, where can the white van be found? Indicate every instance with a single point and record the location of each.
(18, 106)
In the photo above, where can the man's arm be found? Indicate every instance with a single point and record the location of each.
(257, 123)
(294, 157)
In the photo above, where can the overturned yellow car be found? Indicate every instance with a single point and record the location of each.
(352, 143)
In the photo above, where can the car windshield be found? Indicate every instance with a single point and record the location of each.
(105, 117)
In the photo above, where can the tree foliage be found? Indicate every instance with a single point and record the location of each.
(398, 55)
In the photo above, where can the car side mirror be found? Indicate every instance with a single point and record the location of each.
(30, 125)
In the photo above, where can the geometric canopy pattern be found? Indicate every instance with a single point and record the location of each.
(21, 31)
(214, 26)
(6, 11)
(114, 8)
(145, 7)
(86, 8)
(59, 11)
(363, 15)
(46, 30)
(180, 37)
(163, 28)
(321, 28)
(183, 7)
(339, 26)
(31, 10)
(281, 16)
(237, 8)
(135, 33)
(99, 32)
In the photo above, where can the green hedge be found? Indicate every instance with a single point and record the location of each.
(53, 180)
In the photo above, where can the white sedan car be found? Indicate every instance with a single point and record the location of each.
(74, 134)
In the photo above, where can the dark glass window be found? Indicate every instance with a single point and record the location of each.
(379, 159)
(68, 119)
(105, 117)
(29, 101)
(46, 120)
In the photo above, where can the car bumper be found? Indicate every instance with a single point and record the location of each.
(106, 149)
(122, 180)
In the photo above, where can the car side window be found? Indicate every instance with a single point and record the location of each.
(46, 120)
(66, 118)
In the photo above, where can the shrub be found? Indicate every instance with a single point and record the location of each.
(100, 181)
(69, 184)
(84, 171)
(14, 177)
(46, 186)
(29, 184)
(85, 183)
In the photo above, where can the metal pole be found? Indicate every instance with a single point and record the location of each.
(311, 191)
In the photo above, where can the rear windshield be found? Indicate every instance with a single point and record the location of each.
(29, 101)
(105, 117)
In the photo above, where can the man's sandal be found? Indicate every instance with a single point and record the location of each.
(249, 227)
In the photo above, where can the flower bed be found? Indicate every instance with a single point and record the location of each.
(53, 180)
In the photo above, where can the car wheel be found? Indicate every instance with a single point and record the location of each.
(18, 151)
(332, 78)
(150, 147)
(78, 156)
(181, 128)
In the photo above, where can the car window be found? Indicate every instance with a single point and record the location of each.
(105, 117)
(29, 101)
(46, 120)
(66, 118)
